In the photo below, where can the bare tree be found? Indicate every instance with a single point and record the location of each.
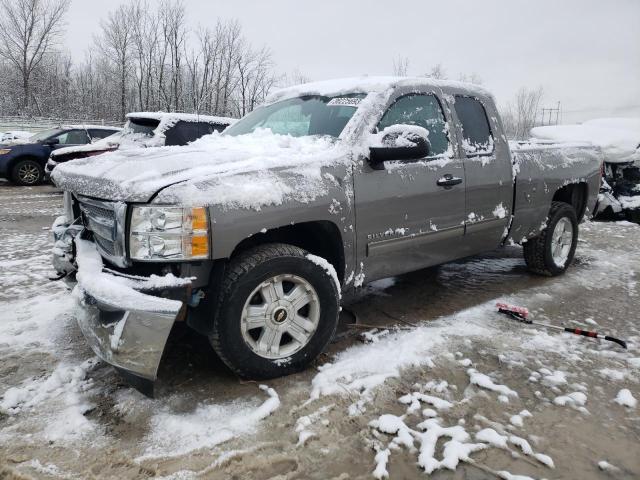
(521, 115)
(437, 72)
(254, 77)
(401, 66)
(145, 41)
(470, 78)
(116, 43)
(29, 31)
(296, 77)
(174, 32)
(143, 56)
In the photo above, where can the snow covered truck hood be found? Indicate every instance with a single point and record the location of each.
(246, 171)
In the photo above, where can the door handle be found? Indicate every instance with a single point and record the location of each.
(448, 181)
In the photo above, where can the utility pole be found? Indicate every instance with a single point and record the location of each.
(551, 116)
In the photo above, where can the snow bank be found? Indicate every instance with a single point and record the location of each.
(619, 138)
(174, 434)
(359, 370)
(483, 381)
(625, 398)
(66, 390)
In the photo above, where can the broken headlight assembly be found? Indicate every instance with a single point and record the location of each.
(161, 233)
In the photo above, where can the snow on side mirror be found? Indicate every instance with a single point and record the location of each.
(399, 142)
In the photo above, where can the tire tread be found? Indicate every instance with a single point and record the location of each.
(534, 248)
(238, 267)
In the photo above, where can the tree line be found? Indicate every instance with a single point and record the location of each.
(141, 59)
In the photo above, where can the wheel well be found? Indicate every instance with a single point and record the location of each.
(575, 195)
(320, 238)
(15, 161)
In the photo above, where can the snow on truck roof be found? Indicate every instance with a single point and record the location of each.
(186, 117)
(366, 84)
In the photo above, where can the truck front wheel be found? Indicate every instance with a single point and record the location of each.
(551, 252)
(278, 311)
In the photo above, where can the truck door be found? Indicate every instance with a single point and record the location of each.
(487, 166)
(407, 216)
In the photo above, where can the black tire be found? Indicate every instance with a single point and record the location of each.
(27, 172)
(537, 251)
(245, 273)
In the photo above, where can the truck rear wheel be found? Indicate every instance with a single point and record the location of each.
(278, 311)
(551, 252)
(27, 172)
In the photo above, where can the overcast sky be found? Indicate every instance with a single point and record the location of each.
(584, 53)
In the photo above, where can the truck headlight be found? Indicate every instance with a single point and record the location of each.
(4, 151)
(168, 233)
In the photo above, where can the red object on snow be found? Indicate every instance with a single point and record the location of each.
(520, 311)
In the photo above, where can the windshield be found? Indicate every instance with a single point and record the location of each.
(40, 136)
(145, 126)
(302, 116)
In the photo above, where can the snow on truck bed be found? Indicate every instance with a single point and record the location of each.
(618, 138)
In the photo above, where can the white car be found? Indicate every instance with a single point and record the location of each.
(14, 135)
(145, 129)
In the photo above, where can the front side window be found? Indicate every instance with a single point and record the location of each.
(299, 117)
(45, 135)
(421, 110)
(73, 137)
(476, 133)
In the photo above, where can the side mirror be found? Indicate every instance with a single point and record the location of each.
(52, 141)
(399, 142)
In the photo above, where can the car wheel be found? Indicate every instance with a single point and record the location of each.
(278, 311)
(551, 252)
(27, 172)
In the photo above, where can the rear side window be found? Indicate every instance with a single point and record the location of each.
(218, 127)
(476, 133)
(183, 132)
(423, 111)
(99, 133)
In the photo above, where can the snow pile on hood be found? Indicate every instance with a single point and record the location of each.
(619, 138)
(245, 170)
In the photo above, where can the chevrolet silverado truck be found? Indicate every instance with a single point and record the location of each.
(252, 236)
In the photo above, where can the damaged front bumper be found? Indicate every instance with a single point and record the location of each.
(132, 340)
(125, 319)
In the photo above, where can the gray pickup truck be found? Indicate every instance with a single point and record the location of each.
(252, 236)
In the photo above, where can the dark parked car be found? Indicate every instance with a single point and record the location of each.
(23, 161)
(146, 129)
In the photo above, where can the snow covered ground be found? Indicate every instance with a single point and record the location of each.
(464, 393)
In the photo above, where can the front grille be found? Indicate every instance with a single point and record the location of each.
(98, 211)
(105, 220)
(105, 245)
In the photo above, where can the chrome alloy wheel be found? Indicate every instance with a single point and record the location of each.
(280, 316)
(28, 174)
(561, 241)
